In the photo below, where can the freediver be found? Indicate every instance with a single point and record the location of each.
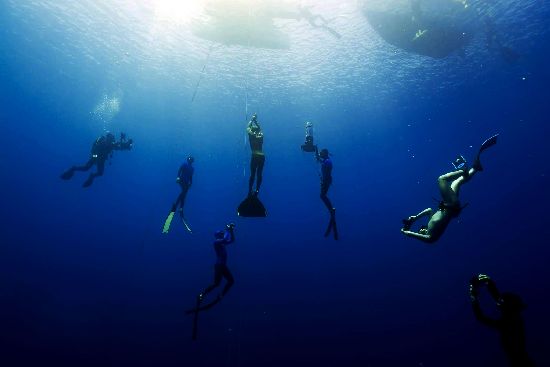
(449, 206)
(223, 238)
(312, 19)
(323, 158)
(257, 160)
(102, 149)
(185, 180)
(510, 324)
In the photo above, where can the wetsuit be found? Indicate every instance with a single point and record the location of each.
(101, 150)
(326, 181)
(220, 269)
(257, 160)
(510, 326)
(185, 179)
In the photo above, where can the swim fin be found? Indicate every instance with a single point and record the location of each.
(186, 225)
(252, 207)
(485, 145)
(68, 174)
(196, 318)
(88, 182)
(205, 307)
(167, 222)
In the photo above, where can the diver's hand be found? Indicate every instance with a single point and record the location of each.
(230, 226)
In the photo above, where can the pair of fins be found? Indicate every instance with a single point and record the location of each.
(168, 223)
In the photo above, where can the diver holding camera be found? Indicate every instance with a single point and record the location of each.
(102, 149)
(449, 207)
(510, 324)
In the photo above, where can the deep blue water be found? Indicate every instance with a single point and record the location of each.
(87, 278)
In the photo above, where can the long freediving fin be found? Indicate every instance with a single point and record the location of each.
(488, 143)
(186, 225)
(196, 318)
(485, 145)
(168, 222)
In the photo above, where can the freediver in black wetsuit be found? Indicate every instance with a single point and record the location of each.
(102, 149)
(510, 325)
(326, 181)
(257, 160)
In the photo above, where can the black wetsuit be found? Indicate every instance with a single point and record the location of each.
(220, 269)
(326, 181)
(185, 175)
(101, 150)
(510, 327)
(256, 162)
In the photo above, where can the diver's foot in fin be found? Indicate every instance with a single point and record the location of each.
(477, 164)
(68, 174)
(88, 182)
(485, 145)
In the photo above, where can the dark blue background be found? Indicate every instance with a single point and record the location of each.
(87, 279)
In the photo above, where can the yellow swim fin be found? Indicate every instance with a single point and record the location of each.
(167, 223)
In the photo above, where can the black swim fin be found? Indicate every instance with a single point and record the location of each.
(485, 145)
(68, 174)
(88, 182)
(252, 207)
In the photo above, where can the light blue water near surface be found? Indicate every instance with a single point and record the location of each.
(86, 278)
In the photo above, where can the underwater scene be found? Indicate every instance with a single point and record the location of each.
(276, 183)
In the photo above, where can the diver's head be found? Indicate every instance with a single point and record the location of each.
(110, 137)
(219, 234)
(324, 153)
(510, 303)
(309, 124)
(190, 159)
(254, 118)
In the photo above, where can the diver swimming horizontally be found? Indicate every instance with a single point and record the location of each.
(252, 206)
(185, 180)
(449, 206)
(223, 238)
(326, 180)
(510, 325)
(102, 149)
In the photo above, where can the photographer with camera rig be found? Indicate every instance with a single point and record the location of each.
(102, 149)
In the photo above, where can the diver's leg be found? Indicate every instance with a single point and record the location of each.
(259, 173)
(85, 167)
(100, 168)
(456, 184)
(324, 190)
(253, 167)
(180, 201)
(217, 280)
(229, 278)
(448, 195)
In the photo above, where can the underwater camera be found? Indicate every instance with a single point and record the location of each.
(308, 145)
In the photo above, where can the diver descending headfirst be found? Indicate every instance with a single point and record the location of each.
(326, 180)
(252, 206)
(102, 149)
(449, 206)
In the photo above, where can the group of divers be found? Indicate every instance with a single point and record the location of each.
(509, 325)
